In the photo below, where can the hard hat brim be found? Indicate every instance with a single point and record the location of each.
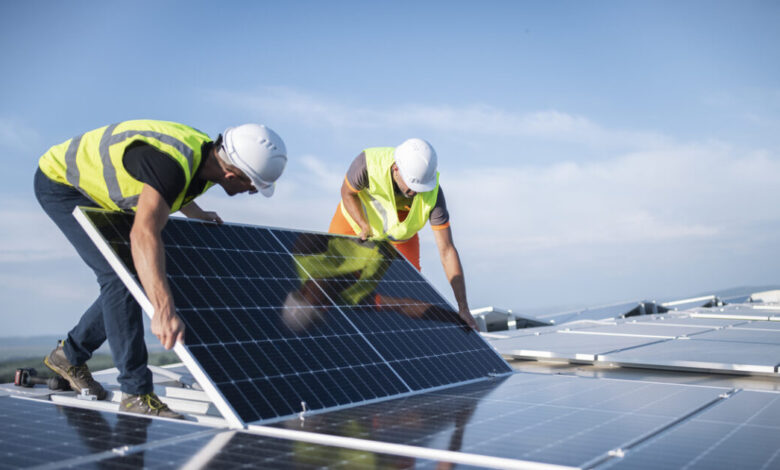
(418, 187)
(266, 191)
(421, 187)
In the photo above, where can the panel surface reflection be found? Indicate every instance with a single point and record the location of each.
(404, 318)
(35, 433)
(231, 449)
(550, 419)
(742, 431)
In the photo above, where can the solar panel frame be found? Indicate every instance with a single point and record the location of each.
(700, 354)
(188, 353)
(735, 311)
(226, 409)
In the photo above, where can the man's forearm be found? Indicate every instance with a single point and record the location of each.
(454, 272)
(149, 260)
(354, 208)
(192, 210)
(148, 252)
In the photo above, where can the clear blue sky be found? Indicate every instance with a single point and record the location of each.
(591, 151)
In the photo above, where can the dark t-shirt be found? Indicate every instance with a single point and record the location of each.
(151, 166)
(357, 177)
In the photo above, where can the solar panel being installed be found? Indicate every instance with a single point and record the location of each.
(281, 322)
(393, 307)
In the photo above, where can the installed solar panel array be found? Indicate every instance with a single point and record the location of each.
(283, 321)
(519, 421)
(45, 436)
(694, 341)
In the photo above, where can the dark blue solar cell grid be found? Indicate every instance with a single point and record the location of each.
(230, 284)
(402, 316)
(276, 341)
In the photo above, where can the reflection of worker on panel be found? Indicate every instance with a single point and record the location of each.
(347, 272)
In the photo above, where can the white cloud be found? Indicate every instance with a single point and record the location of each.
(321, 174)
(57, 287)
(16, 135)
(472, 120)
(29, 235)
(305, 198)
(684, 194)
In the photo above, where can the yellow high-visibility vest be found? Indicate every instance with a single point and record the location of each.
(378, 200)
(92, 162)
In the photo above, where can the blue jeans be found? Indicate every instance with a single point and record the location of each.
(115, 315)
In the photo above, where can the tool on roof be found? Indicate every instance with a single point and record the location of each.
(28, 377)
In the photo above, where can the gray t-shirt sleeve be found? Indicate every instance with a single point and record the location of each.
(357, 175)
(439, 214)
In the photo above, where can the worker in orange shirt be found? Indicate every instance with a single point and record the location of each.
(390, 193)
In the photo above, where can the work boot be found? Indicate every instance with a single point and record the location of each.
(78, 377)
(147, 404)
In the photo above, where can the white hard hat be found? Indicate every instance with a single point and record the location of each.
(257, 151)
(416, 160)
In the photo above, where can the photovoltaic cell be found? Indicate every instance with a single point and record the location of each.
(665, 341)
(568, 345)
(739, 432)
(411, 326)
(284, 322)
(594, 313)
(708, 354)
(43, 434)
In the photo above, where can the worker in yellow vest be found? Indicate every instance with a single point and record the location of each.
(151, 168)
(391, 193)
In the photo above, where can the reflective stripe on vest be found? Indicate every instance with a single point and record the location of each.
(378, 200)
(80, 165)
